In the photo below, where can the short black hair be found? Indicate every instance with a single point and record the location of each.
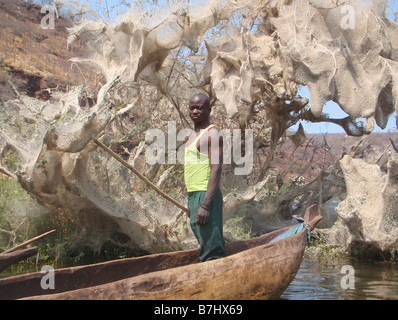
(201, 96)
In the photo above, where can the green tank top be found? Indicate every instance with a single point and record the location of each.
(197, 166)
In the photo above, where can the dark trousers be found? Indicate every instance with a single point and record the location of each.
(210, 235)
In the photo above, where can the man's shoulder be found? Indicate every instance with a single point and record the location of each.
(214, 135)
(214, 130)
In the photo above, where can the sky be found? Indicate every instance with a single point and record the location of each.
(334, 111)
(331, 108)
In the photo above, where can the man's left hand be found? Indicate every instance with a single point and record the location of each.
(203, 215)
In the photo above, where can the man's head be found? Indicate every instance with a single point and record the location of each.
(199, 108)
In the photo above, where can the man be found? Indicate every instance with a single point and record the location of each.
(202, 173)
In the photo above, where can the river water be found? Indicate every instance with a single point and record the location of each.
(358, 281)
(320, 281)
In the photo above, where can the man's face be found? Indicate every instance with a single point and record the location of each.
(198, 111)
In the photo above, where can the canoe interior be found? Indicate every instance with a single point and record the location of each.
(262, 272)
(91, 275)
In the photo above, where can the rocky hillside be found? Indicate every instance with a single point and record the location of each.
(33, 59)
(320, 151)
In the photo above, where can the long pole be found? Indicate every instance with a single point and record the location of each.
(28, 242)
(142, 177)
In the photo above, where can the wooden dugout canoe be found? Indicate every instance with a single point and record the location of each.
(253, 269)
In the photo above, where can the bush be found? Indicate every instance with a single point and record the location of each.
(21, 219)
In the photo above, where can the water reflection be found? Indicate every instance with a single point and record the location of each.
(316, 281)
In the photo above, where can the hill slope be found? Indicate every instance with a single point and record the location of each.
(34, 58)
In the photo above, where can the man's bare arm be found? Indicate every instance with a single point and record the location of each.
(215, 143)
